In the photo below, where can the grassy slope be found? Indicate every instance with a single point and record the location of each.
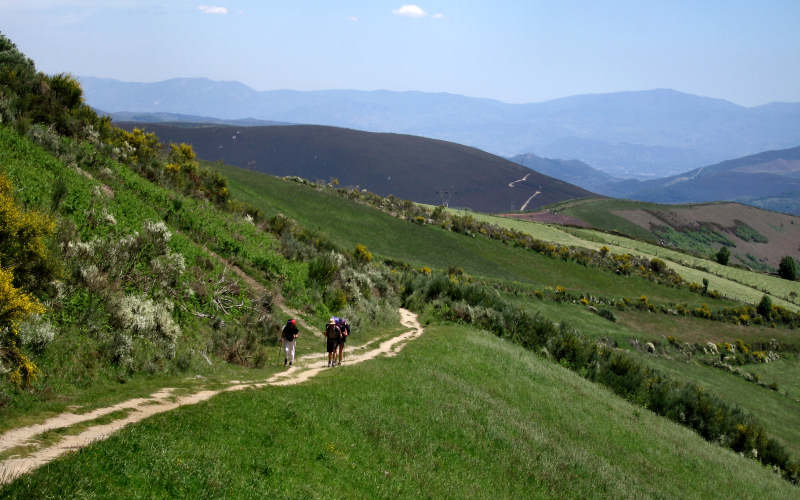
(779, 414)
(785, 373)
(348, 223)
(458, 414)
(352, 223)
(71, 372)
(738, 284)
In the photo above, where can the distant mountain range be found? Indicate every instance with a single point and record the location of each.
(410, 167)
(130, 116)
(572, 171)
(643, 134)
(770, 179)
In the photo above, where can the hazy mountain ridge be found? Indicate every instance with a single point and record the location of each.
(132, 116)
(572, 171)
(617, 131)
(754, 179)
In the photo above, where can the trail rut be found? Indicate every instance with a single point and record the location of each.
(164, 400)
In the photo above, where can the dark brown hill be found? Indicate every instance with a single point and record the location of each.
(410, 167)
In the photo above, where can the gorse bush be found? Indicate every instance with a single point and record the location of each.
(16, 306)
(23, 244)
(23, 249)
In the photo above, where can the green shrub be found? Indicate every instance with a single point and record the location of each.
(607, 314)
(723, 255)
(323, 269)
(765, 307)
(787, 269)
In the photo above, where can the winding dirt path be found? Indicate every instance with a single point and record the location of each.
(511, 184)
(162, 401)
(525, 205)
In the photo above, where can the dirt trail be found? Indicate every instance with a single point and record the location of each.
(511, 184)
(162, 401)
(525, 205)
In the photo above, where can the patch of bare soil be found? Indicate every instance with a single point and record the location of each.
(781, 230)
(162, 401)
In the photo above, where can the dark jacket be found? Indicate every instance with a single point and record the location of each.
(289, 331)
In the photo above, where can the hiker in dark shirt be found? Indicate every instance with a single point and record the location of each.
(288, 337)
(332, 334)
(344, 328)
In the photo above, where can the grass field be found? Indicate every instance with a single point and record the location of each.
(458, 414)
(738, 284)
(697, 330)
(785, 373)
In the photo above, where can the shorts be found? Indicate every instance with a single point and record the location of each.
(343, 339)
(332, 344)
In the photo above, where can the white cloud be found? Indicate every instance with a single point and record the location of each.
(438, 15)
(213, 9)
(410, 11)
(352, 18)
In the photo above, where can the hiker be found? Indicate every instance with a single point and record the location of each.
(332, 333)
(288, 337)
(344, 328)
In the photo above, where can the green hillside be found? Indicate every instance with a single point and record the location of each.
(134, 277)
(348, 223)
(460, 413)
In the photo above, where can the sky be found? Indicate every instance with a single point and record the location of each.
(516, 51)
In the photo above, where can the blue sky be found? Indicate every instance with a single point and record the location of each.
(515, 51)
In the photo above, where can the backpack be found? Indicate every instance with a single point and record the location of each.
(332, 331)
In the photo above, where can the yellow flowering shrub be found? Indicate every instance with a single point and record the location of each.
(23, 245)
(15, 307)
(24, 264)
(361, 254)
